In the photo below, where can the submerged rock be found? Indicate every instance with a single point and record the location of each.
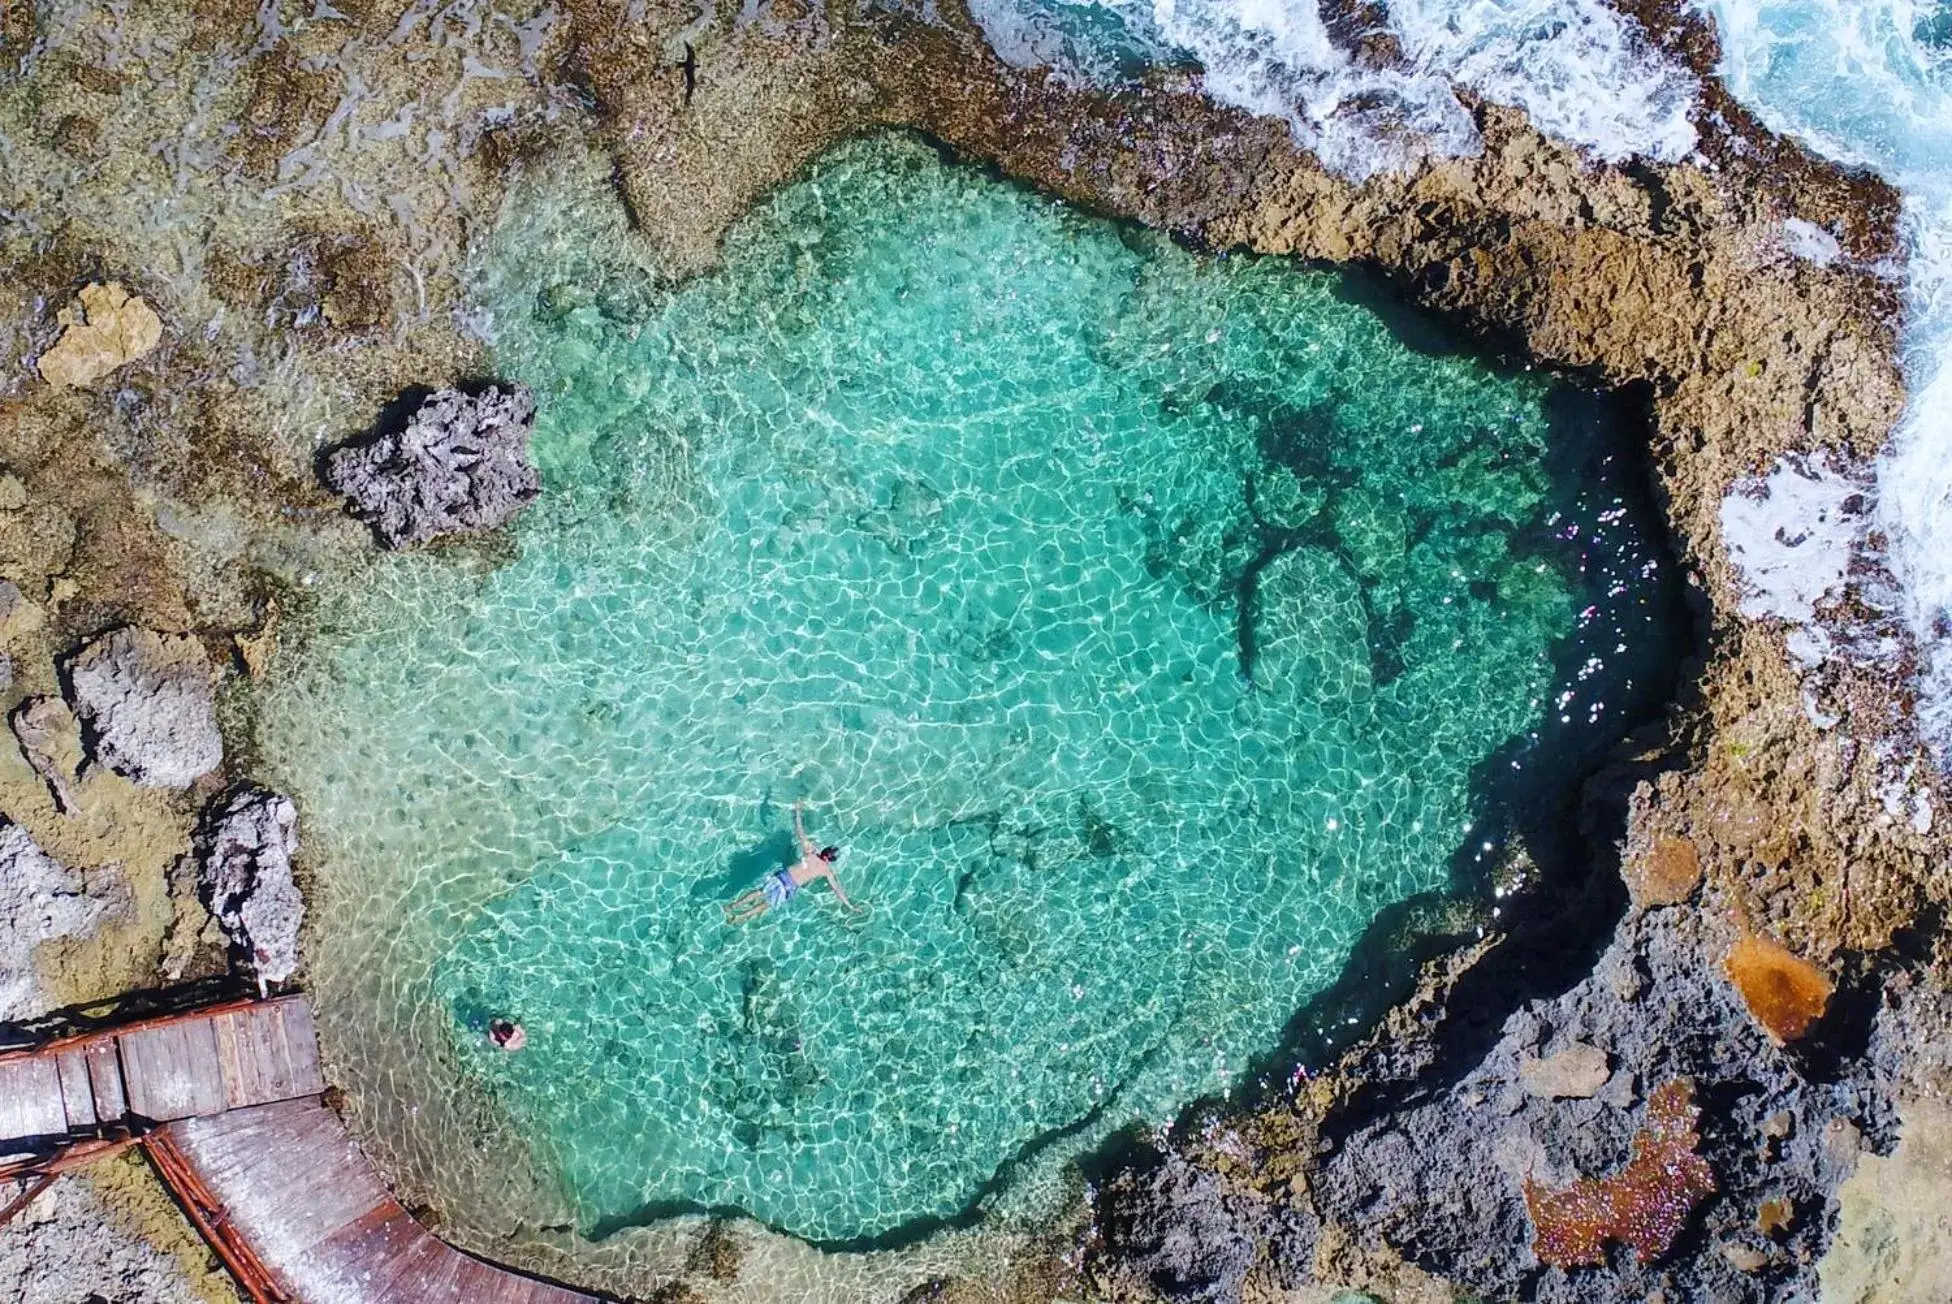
(147, 704)
(244, 850)
(109, 327)
(462, 464)
(40, 900)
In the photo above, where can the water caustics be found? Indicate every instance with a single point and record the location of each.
(1137, 620)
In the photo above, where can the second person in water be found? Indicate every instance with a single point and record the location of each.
(782, 885)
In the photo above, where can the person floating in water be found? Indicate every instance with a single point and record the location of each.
(782, 885)
(506, 1034)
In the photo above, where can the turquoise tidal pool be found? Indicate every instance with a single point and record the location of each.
(1140, 622)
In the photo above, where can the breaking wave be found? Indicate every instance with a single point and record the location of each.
(1381, 96)
(1869, 82)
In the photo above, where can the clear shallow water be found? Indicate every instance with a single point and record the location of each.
(1135, 619)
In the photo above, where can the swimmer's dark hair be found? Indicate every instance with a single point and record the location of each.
(830, 854)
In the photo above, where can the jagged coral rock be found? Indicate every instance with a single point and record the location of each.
(1784, 992)
(109, 328)
(462, 464)
(1643, 1206)
(244, 852)
(149, 706)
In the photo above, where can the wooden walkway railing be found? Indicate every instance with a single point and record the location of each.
(227, 1102)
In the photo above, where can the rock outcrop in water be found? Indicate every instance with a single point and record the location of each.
(461, 465)
(41, 900)
(148, 708)
(244, 849)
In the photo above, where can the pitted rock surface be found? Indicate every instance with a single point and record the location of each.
(461, 465)
(40, 900)
(148, 708)
(244, 850)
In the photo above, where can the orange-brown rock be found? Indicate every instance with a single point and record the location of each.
(1784, 992)
(108, 328)
(1666, 875)
(1643, 1206)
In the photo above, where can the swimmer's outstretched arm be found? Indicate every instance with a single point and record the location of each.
(841, 892)
(800, 828)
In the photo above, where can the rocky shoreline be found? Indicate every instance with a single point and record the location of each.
(329, 174)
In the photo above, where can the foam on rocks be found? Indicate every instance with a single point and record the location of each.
(147, 704)
(244, 852)
(461, 465)
(1792, 534)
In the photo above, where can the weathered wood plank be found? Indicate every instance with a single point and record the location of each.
(105, 1077)
(173, 1071)
(301, 1034)
(77, 1093)
(403, 1279)
(30, 1099)
(370, 1242)
(296, 1192)
(542, 1292)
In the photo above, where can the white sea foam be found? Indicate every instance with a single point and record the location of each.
(1579, 70)
(1811, 242)
(1792, 534)
(1869, 82)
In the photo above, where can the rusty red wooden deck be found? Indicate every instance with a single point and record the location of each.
(227, 1103)
(284, 1186)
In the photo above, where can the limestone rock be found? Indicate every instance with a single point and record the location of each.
(40, 900)
(244, 850)
(1440, 1180)
(72, 1245)
(147, 703)
(1894, 1222)
(50, 739)
(110, 327)
(18, 615)
(462, 464)
(1575, 1073)
(1178, 1232)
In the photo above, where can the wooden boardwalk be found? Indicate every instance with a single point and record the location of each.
(283, 1184)
(158, 1070)
(227, 1102)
